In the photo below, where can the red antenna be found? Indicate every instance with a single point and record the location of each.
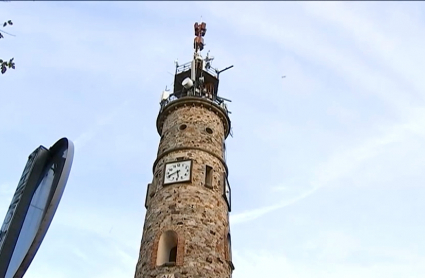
(200, 30)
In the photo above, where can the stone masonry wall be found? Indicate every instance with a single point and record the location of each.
(198, 214)
(197, 120)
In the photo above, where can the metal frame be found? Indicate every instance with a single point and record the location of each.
(187, 66)
(20, 203)
(147, 195)
(62, 169)
(174, 162)
(217, 100)
(225, 183)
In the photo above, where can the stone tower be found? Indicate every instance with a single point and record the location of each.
(186, 231)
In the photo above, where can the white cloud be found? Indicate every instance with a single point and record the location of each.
(275, 263)
(102, 121)
(253, 214)
(377, 40)
(339, 165)
(7, 189)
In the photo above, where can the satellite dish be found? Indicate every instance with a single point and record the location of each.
(187, 83)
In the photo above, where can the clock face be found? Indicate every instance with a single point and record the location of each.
(227, 193)
(179, 171)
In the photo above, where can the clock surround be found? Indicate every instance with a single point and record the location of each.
(179, 171)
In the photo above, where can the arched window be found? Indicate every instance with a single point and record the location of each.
(167, 248)
(173, 254)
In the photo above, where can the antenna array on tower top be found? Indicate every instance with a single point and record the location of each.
(196, 78)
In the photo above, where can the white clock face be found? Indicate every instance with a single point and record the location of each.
(177, 172)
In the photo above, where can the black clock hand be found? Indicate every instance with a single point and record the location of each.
(173, 173)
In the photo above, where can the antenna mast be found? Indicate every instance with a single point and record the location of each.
(196, 78)
(200, 30)
(198, 44)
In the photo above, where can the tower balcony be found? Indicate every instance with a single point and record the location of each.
(203, 84)
(186, 67)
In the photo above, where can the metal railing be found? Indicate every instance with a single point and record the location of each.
(187, 66)
(219, 101)
(182, 68)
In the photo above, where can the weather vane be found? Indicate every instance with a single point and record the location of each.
(200, 30)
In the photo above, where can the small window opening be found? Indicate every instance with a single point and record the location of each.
(167, 248)
(173, 254)
(209, 130)
(183, 127)
(208, 176)
(147, 194)
(229, 247)
(157, 173)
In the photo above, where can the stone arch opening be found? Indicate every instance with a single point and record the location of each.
(167, 248)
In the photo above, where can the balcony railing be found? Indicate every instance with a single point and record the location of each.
(219, 101)
(187, 66)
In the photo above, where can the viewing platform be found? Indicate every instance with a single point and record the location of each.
(204, 87)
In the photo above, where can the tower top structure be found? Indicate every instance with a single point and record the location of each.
(196, 78)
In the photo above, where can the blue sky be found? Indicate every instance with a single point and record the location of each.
(326, 165)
